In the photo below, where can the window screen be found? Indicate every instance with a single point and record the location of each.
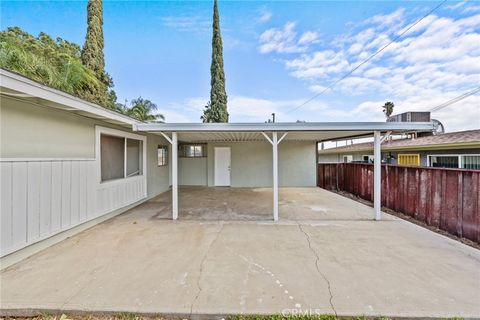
(471, 162)
(162, 154)
(444, 161)
(112, 157)
(134, 157)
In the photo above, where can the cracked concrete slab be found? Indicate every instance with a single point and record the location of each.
(311, 259)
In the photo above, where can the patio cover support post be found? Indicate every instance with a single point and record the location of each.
(174, 142)
(174, 176)
(275, 175)
(377, 175)
(274, 141)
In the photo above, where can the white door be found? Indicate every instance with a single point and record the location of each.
(222, 166)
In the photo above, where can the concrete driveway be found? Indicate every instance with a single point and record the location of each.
(325, 255)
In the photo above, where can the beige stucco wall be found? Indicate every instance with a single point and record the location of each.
(32, 131)
(297, 164)
(192, 171)
(29, 131)
(251, 163)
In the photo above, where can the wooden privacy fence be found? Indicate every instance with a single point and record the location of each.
(448, 199)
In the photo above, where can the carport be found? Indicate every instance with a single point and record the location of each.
(275, 133)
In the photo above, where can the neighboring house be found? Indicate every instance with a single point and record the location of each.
(67, 164)
(448, 150)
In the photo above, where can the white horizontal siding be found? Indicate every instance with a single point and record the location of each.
(42, 198)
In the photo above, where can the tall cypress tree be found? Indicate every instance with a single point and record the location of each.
(92, 53)
(216, 110)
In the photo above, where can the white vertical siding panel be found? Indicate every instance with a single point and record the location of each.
(133, 195)
(100, 201)
(92, 207)
(6, 206)
(42, 198)
(19, 203)
(66, 193)
(82, 194)
(45, 198)
(33, 201)
(139, 190)
(122, 195)
(56, 196)
(111, 198)
(128, 192)
(119, 202)
(75, 194)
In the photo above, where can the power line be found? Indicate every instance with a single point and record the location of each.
(369, 58)
(455, 100)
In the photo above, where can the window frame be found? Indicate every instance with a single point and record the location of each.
(459, 155)
(164, 147)
(99, 131)
(182, 153)
(461, 162)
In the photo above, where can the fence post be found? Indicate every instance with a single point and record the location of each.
(377, 176)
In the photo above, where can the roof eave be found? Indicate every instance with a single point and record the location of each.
(16, 82)
(285, 127)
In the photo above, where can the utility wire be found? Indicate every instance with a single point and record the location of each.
(369, 58)
(455, 100)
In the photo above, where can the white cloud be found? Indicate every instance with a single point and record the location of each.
(308, 37)
(265, 16)
(434, 62)
(285, 40)
(388, 19)
(187, 23)
(240, 108)
(456, 5)
(280, 40)
(471, 8)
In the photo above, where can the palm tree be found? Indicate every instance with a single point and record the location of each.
(143, 110)
(388, 108)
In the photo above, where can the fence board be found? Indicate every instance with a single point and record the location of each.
(445, 198)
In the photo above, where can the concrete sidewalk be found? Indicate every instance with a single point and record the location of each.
(316, 258)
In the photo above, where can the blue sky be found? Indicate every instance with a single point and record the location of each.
(280, 53)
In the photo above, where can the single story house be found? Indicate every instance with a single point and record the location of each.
(448, 150)
(67, 164)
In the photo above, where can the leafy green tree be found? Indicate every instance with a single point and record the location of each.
(388, 108)
(216, 109)
(55, 63)
(144, 110)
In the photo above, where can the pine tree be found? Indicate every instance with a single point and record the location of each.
(92, 53)
(216, 110)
